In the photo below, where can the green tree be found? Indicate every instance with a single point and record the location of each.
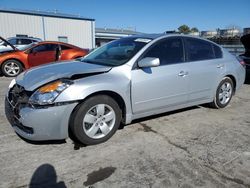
(194, 30)
(184, 29)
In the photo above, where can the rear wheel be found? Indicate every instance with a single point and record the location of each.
(95, 120)
(224, 93)
(12, 68)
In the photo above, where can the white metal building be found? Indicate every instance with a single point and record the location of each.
(104, 35)
(51, 26)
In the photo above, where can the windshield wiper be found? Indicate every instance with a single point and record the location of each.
(90, 61)
(97, 62)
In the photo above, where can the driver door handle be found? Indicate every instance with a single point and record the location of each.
(219, 66)
(183, 73)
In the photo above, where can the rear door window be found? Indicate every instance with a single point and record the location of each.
(26, 41)
(197, 49)
(19, 41)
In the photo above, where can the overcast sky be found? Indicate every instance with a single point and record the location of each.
(150, 16)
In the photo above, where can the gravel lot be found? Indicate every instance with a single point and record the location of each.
(194, 147)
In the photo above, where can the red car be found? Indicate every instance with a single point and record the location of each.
(14, 61)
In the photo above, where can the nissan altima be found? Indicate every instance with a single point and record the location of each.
(124, 80)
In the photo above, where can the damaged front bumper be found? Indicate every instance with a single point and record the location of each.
(39, 124)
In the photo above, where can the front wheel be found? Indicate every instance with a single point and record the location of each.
(12, 68)
(224, 93)
(95, 120)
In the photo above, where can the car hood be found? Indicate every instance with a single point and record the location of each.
(245, 40)
(6, 51)
(38, 76)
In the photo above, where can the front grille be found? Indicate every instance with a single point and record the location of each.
(18, 97)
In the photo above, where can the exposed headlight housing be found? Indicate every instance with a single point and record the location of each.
(48, 93)
(12, 83)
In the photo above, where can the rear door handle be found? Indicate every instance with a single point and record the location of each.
(219, 66)
(183, 73)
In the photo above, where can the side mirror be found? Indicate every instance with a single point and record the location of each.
(149, 62)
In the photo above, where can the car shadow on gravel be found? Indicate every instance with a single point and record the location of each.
(78, 145)
(49, 142)
(75, 142)
(167, 114)
(45, 176)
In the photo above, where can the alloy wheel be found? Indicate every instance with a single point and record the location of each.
(11, 68)
(225, 93)
(99, 121)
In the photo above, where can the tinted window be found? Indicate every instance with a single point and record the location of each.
(25, 41)
(63, 47)
(19, 42)
(169, 51)
(12, 41)
(45, 47)
(197, 49)
(217, 51)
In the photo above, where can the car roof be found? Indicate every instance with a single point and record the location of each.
(31, 38)
(147, 36)
(57, 42)
(163, 35)
(155, 36)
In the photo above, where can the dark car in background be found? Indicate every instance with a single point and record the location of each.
(14, 61)
(245, 40)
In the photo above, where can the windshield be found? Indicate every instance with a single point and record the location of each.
(117, 52)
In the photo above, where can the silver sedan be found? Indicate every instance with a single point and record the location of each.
(122, 81)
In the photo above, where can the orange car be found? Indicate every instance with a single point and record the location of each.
(14, 61)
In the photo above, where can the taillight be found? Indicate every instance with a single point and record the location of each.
(241, 61)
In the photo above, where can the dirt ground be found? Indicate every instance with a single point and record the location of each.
(194, 147)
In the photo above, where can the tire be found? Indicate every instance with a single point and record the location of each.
(95, 120)
(11, 68)
(224, 93)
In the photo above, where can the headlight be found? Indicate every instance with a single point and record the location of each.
(48, 93)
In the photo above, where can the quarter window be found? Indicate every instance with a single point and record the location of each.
(197, 50)
(217, 51)
(169, 51)
(63, 47)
